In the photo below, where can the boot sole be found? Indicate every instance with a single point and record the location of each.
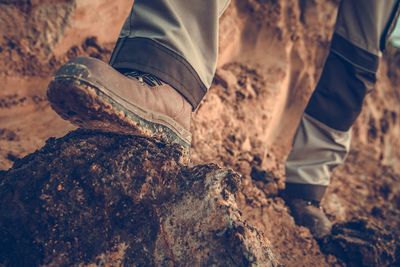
(91, 107)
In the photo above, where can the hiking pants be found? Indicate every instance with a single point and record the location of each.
(322, 140)
(177, 41)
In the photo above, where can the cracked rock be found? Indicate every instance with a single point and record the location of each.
(93, 198)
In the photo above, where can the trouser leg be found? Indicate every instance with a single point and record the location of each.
(322, 140)
(176, 41)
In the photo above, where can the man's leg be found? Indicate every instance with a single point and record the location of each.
(161, 68)
(323, 137)
(176, 41)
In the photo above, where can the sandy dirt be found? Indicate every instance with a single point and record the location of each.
(271, 55)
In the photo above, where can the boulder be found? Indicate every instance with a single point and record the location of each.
(93, 198)
(360, 242)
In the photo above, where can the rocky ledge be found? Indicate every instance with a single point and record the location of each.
(93, 198)
(103, 199)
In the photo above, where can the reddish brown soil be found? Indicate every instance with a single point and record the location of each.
(271, 54)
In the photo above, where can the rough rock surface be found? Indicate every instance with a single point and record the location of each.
(107, 199)
(362, 243)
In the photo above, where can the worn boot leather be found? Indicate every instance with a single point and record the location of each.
(310, 214)
(93, 95)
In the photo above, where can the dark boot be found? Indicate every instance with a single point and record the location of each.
(310, 214)
(91, 94)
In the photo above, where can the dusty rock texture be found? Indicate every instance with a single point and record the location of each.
(362, 243)
(41, 34)
(106, 199)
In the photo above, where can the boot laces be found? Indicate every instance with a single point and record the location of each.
(146, 78)
(314, 203)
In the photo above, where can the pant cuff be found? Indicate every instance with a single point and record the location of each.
(305, 191)
(149, 56)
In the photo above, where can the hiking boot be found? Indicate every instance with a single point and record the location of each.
(310, 214)
(93, 95)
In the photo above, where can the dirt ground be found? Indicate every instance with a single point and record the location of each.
(271, 55)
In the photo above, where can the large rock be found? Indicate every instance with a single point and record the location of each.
(360, 242)
(108, 199)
